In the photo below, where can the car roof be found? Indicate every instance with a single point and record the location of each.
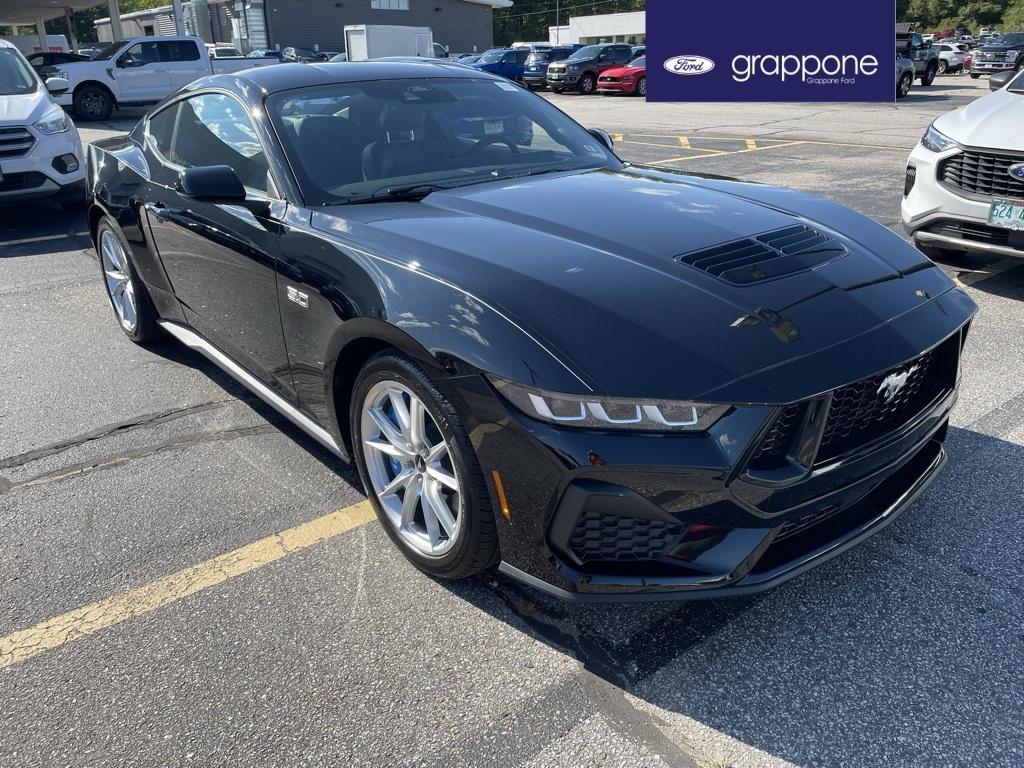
(6, 44)
(283, 77)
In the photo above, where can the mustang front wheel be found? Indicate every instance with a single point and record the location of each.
(420, 470)
(128, 296)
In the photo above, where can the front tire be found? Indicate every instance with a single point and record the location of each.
(904, 85)
(641, 87)
(942, 66)
(420, 470)
(91, 102)
(127, 293)
(929, 75)
(587, 84)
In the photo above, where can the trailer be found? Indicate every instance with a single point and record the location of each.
(375, 41)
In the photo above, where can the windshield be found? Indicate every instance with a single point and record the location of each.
(357, 142)
(1015, 38)
(587, 52)
(639, 62)
(491, 57)
(108, 52)
(16, 77)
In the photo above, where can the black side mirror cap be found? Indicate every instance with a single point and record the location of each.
(211, 183)
(999, 79)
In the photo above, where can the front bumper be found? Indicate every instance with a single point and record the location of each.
(935, 215)
(610, 516)
(990, 67)
(620, 86)
(562, 80)
(34, 176)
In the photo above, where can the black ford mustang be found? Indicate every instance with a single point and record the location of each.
(617, 382)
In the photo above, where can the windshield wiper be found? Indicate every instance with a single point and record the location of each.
(390, 193)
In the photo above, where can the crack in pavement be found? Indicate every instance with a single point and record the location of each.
(107, 430)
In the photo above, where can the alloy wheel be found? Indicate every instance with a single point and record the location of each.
(641, 87)
(117, 275)
(410, 468)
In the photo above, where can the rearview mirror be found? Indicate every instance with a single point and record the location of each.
(56, 85)
(211, 183)
(604, 137)
(998, 80)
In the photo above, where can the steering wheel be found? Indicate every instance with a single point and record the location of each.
(487, 141)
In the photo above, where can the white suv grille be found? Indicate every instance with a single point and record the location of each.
(15, 142)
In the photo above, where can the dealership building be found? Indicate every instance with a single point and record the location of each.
(461, 25)
(607, 28)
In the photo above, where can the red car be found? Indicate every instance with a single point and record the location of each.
(631, 78)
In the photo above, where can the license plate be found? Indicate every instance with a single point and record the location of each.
(1007, 213)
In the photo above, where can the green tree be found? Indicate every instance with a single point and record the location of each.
(1013, 19)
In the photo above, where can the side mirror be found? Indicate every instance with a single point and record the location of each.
(57, 85)
(998, 80)
(211, 183)
(604, 137)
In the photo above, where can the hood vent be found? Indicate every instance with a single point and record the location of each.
(768, 256)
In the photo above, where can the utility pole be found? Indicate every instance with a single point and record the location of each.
(558, 22)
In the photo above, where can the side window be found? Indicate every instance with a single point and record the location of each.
(214, 129)
(522, 55)
(140, 54)
(160, 130)
(178, 50)
(36, 61)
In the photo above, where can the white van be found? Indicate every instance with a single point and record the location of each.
(29, 44)
(40, 152)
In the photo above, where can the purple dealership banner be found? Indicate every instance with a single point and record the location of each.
(788, 50)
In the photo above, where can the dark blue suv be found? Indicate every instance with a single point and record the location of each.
(536, 71)
(507, 62)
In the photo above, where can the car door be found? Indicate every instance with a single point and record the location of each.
(219, 258)
(141, 76)
(183, 62)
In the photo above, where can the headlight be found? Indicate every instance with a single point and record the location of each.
(610, 412)
(61, 74)
(936, 141)
(54, 121)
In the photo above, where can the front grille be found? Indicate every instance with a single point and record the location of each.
(16, 141)
(606, 79)
(764, 257)
(860, 413)
(776, 444)
(15, 182)
(982, 173)
(599, 537)
(978, 233)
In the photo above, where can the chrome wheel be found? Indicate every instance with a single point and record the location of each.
(119, 281)
(411, 469)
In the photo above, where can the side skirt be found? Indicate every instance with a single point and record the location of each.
(193, 340)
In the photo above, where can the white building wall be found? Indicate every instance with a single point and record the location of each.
(606, 28)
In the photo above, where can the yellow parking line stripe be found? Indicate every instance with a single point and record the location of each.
(89, 619)
(617, 137)
(761, 141)
(684, 142)
(722, 154)
(751, 144)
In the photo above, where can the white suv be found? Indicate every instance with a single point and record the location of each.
(40, 152)
(964, 188)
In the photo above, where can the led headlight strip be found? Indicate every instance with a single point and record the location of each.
(610, 412)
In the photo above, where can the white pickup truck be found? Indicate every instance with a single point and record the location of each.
(139, 71)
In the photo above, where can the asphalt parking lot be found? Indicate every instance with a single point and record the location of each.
(178, 586)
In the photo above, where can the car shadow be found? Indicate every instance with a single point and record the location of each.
(988, 273)
(903, 651)
(41, 227)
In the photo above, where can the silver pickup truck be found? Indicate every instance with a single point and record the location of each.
(140, 71)
(911, 45)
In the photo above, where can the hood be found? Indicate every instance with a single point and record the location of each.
(25, 110)
(623, 71)
(587, 263)
(991, 121)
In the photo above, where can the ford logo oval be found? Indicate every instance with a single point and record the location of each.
(1017, 171)
(689, 65)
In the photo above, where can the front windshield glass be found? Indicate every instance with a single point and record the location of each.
(491, 57)
(108, 52)
(16, 77)
(1015, 38)
(357, 142)
(588, 52)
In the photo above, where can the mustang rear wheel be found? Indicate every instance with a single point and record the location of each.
(420, 470)
(128, 295)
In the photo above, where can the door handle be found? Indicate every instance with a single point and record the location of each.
(159, 210)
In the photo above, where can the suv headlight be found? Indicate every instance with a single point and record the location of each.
(935, 141)
(54, 121)
(61, 74)
(610, 413)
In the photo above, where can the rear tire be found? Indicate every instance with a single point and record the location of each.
(439, 464)
(942, 67)
(91, 102)
(929, 75)
(128, 296)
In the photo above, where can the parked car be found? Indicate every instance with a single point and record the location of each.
(535, 71)
(469, 58)
(904, 76)
(139, 71)
(45, 64)
(223, 52)
(924, 56)
(638, 51)
(1002, 54)
(951, 59)
(264, 53)
(580, 71)
(771, 383)
(88, 52)
(339, 57)
(40, 152)
(507, 62)
(964, 188)
(629, 79)
(291, 54)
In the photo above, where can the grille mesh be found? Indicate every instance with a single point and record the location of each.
(13, 182)
(982, 173)
(602, 537)
(764, 257)
(776, 444)
(15, 142)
